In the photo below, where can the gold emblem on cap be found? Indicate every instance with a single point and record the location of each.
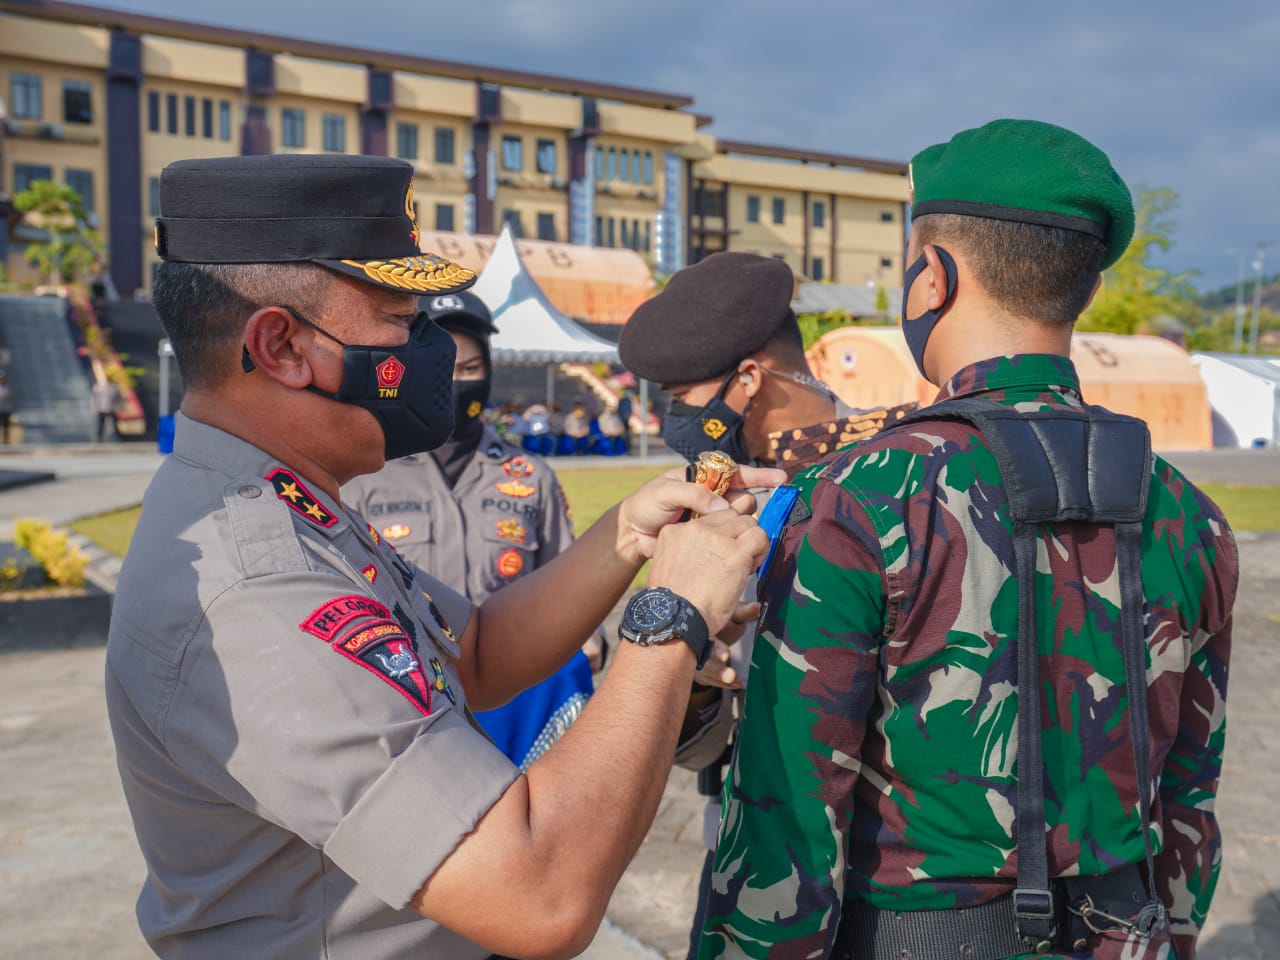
(415, 235)
(911, 184)
(427, 273)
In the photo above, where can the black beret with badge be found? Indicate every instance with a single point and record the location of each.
(462, 311)
(709, 318)
(352, 214)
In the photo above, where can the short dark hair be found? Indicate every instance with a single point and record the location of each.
(204, 307)
(786, 345)
(1039, 273)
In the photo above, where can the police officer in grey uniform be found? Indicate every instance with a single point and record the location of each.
(482, 513)
(290, 699)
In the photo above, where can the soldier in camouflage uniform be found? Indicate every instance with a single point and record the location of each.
(878, 764)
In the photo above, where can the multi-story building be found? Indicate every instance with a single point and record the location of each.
(829, 216)
(104, 99)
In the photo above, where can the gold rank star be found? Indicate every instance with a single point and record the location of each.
(291, 491)
(315, 510)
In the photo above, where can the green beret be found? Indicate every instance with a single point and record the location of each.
(1027, 172)
(708, 319)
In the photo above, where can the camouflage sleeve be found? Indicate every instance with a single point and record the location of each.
(788, 802)
(1187, 866)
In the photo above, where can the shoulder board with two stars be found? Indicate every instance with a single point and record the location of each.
(299, 499)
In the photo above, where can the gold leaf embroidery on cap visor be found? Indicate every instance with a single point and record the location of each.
(420, 274)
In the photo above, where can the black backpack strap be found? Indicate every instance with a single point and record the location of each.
(1056, 465)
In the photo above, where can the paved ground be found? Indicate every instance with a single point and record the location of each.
(69, 868)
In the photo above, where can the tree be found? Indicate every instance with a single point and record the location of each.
(1133, 291)
(72, 246)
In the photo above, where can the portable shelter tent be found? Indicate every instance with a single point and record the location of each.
(1244, 392)
(593, 284)
(1146, 377)
(530, 329)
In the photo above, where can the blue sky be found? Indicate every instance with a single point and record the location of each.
(1181, 95)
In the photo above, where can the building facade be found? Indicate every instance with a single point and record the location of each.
(102, 100)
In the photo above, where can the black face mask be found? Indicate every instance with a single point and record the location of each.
(409, 389)
(469, 398)
(917, 329)
(690, 430)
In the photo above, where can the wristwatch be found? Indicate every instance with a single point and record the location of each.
(656, 615)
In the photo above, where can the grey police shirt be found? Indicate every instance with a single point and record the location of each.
(291, 733)
(505, 517)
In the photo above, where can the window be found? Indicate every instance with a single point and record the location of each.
(27, 99)
(81, 181)
(379, 88)
(635, 234)
(817, 269)
(512, 153)
(206, 118)
(512, 219)
(713, 203)
(886, 216)
(25, 174)
(293, 128)
(648, 166)
(546, 226)
(153, 187)
(598, 240)
(335, 132)
(599, 163)
(171, 112)
(189, 104)
(444, 216)
(613, 165)
(886, 263)
(610, 235)
(407, 141)
(635, 166)
(819, 214)
(624, 168)
(224, 119)
(77, 102)
(753, 208)
(622, 226)
(647, 236)
(779, 209)
(444, 145)
(546, 156)
(153, 111)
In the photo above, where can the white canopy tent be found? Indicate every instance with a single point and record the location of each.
(531, 329)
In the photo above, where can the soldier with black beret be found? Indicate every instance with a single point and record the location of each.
(723, 342)
(290, 697)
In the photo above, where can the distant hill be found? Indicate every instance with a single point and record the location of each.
(1226, 296)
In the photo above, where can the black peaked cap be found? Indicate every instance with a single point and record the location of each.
(463, 311)
(709, 318)
(353, 214)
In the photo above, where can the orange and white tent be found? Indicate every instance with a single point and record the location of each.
(1146, 377)
(595, 284)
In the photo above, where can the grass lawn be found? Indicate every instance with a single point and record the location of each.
(591, 491)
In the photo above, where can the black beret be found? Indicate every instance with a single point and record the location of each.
(463, 311)
(709, 318)
(351, 214)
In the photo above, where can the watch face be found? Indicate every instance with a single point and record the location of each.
(650, 611)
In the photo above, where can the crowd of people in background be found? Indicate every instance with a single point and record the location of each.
(586, 428)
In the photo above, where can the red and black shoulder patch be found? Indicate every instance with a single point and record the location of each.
(328, 620)
(300, 500)
(384, 649)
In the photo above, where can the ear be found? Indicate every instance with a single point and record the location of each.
(936, 277)
(1097, 285)
(279, 346)
(750, 377)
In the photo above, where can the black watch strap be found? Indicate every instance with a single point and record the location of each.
(692, 628)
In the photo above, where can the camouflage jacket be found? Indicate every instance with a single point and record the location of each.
(878, 751)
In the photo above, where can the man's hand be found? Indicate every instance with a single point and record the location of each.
(664, 499)
(707, 561)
